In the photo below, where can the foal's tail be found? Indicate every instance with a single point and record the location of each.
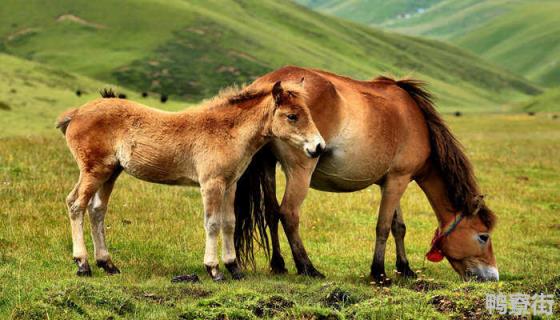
(255, 203)
(448, 156)
(64, 119)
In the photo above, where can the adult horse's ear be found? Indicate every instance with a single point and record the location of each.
(277, 93)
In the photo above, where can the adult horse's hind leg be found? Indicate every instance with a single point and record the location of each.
(77, 202)
(97, 209)
(391, 192)
(398, 228)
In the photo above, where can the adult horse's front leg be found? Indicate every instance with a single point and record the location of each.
(298, 178)
(391, 192)
(398, 229)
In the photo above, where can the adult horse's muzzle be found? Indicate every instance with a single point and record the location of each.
(482, 273)
(314, 147)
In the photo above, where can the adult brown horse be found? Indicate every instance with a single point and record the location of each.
(383, 132)
(210, 147)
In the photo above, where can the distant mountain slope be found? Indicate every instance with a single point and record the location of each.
(191, 49)
(548, 101)
(371, 12)
(32, 95)
(521, 35)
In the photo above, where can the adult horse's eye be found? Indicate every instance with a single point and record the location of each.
(483, 238)
(292, 117)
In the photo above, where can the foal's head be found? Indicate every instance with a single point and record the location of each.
(292, 122)
(468, 246)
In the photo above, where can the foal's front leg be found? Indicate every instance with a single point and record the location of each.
(228, 228)
(213, 196)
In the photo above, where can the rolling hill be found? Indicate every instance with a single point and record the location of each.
(520, 35)
(32, 95)
(191, 49)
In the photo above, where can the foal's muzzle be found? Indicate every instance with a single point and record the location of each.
(315, 148)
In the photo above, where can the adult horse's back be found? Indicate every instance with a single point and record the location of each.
(383, 132)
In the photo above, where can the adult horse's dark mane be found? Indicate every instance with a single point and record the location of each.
(448, 156)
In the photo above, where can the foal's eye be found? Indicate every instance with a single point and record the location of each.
(483, 238)
(292, 117)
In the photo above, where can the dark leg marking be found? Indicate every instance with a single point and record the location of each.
(108, 266)
(235, 270)
(83, 268)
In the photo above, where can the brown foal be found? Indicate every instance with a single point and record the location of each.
(210, 146)
(383, 132)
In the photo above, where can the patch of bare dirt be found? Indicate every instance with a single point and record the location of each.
(78, 20)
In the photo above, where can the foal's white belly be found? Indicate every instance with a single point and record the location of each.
(150, 163)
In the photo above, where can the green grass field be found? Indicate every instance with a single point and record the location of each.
(155, 232)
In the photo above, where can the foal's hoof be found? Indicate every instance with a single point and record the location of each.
(83, 268)
(215, 273)
(310, 271)
(404, 271)
(186, 278)
(108, 267)
(235, 271)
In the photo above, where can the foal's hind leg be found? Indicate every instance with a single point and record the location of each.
(398, 228)
(391, 191)
(97, 209)
(77, 201)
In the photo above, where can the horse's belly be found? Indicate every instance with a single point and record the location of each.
(340, 171)
(150, 163)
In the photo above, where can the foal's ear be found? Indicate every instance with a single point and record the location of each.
(277, 93)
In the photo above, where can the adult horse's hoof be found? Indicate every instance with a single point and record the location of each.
(214, 273)
(186, 278)
(235, 271)
(83, 268)
(108, 267)
(310, 271)
(380, 280)
(403, 270)
(277, 265)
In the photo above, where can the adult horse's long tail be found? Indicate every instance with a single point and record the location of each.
(255, 203)
(448, 155)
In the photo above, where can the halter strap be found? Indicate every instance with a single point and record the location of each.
(436, 254)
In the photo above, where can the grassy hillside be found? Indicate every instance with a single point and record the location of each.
(192, 49)
(371, 12)
(520, 35)
(548, 101)
(32, 95)
(526, 40)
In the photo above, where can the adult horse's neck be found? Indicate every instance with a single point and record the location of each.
(436, 191)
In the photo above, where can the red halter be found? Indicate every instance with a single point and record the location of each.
(436, 254)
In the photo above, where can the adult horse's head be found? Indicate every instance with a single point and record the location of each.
(467, 245)
(291, 120)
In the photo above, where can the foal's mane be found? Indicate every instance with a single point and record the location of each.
(448, 155)
(243, 96)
